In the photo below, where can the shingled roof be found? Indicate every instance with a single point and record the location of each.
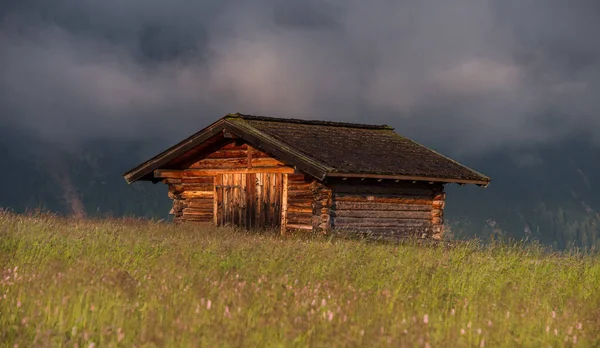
(324, 149)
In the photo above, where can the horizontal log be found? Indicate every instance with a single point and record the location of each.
(233, 146)
(437, 220)
(220, 163)
(204, 172)
(194, 218)
(398, 214)
(298, 227)
(256, 162)
(198, 180)
(299, 209)
(380, 199)
(383, 232)
(378, 222)
(228, 154)
(438, 204)
(197, 187)
(299, 216)
(176, 188)
(384, 190)
(171, 181)
(299, 186)
(200, 204)
(197, 194)
(198, 212)
(167, 174)
(299, 195)
(380, 206)
(437, 213)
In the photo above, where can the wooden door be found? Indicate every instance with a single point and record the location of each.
(249, 200)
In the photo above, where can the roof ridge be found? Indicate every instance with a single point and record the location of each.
(308, 122)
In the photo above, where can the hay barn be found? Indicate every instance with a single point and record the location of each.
(289, 174)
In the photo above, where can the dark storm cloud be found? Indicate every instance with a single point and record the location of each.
(473, 75)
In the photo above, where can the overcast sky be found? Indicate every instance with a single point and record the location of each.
(471, 75)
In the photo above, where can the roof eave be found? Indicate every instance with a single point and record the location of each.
(480, 182)
(145, 169)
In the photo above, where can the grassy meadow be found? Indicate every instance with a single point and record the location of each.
(124, 283)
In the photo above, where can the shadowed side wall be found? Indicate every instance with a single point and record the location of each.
(387, 208)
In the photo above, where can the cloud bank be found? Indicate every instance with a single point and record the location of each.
(471, 76)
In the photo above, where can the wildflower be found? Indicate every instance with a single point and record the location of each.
(462, 331)
(555, 332)
(120, 335)
(507, 314)
(570, 330)
(92, 308)
(468, 325)
(482, 343)
(547, 328)
(490, 323)
(323, 302)
(453, 311)
(427, 345)
(575, 339)
(227, 314)
(197, 309)
(553, 315)
(479, 331)
(425, 319)
(208, 304)
(92, 345)
(18, 304)
(329, 315)
(579, 325)
(362, 332)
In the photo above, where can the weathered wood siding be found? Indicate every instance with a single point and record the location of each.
(235, 184)
(249, 200)
(387, 208)
(299, 205)
(192, 198)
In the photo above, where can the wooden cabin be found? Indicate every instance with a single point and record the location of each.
(262, 172)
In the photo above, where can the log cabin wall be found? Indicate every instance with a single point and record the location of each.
(387, 208)
(298, 212)
(235, 184)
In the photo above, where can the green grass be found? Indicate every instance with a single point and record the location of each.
(111, 283)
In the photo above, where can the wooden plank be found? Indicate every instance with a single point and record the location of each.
(380, 206)
(299, 227)
(228, 154)
(197, 212)
(300, 209)
(284, 203)
(259, 199)
(378, 222)
(233, 146)
(265, 162)
(198, 180)
(196, 194)
(200, 204)
(398, 214)
(217, 199)
(206, 172)
(168, 174)
(197, 187)
(221, 163)
(381, 199)
(251, 199)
